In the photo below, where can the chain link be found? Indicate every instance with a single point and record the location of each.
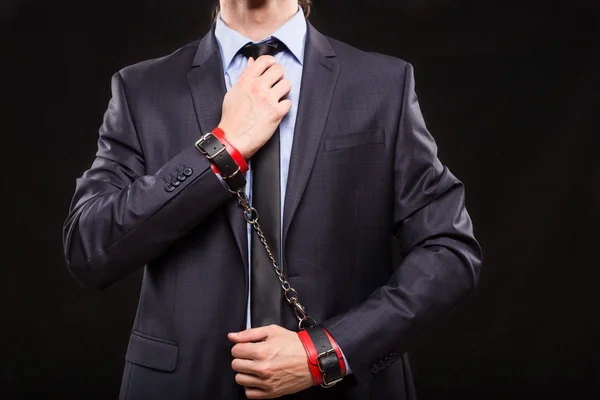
(289, 293)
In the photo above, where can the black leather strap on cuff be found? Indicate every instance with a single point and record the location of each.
(327, 358)
(215, 151)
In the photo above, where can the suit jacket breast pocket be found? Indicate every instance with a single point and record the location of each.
(152, 352)
(356, 139)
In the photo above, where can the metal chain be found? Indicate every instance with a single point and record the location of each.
(289, 293)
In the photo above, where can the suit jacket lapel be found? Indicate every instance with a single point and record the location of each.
(319, 78)
(207, 87)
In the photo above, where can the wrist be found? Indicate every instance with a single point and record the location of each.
(237, 156)
(311, 358)
(222, 162)
(238, 140)
(324, 357)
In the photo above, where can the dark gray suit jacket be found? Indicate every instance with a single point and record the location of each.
(363, 166)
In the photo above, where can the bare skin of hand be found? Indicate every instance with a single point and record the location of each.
(270, 362)
(255, 105)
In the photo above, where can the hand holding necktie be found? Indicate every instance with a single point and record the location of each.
(254, 107)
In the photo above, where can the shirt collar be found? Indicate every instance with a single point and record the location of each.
(292, 34)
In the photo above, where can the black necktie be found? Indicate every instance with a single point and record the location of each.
(256, 50)
(266, 297)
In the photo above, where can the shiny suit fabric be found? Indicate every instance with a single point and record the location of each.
(363, 167)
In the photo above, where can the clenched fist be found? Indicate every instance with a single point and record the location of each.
(270, 362)
(255, 105)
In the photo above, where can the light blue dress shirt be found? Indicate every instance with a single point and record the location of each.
(293, 35)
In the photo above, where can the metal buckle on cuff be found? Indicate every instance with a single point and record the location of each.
(326, 384)
(199, 142)
(232, 175)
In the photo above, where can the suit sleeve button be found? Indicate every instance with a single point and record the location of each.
(175, 182)
(187, 171)
(374, 369)
(169, 187)
(181, 177)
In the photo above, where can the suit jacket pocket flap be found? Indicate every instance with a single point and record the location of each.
(152, 352)
(344, 141)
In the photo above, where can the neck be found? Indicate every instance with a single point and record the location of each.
(257, 19)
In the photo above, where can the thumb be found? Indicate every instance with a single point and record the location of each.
(250, 62)
(250, 335)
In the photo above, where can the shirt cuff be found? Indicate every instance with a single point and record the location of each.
(348, 369)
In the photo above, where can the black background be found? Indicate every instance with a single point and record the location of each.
(508, 88)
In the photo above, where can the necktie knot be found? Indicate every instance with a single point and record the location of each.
(256, 50)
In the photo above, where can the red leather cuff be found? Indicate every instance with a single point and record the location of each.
(337, 351)
(311, 353)
(233, 152)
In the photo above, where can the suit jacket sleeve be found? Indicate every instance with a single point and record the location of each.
(120, 218)
(441, 257)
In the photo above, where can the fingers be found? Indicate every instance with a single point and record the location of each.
(250, 335)
(256, 393)
(258, 67)
(246, 351)
(272, 75)
(249, 380)
(281, 89)
(284, 107)
(247, 367)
